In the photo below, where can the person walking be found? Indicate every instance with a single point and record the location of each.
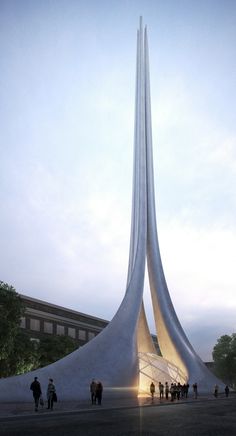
(36, 389)
(152, 390)
(98, 395)
(226, 390)
(93, 386)
(51, 391)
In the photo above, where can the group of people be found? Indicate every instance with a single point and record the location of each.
(177, 391)
(96, 389)
(216, 391)
(37, 393)
(172, 391)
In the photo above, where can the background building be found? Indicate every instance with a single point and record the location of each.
(45, 319)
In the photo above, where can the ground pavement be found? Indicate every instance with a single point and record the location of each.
(205, 416)
(20, 409)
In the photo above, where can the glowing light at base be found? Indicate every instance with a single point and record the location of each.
(153, 368)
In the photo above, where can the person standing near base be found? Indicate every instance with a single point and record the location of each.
(161, 391)
(186, 390)
(51, 390)
(195, 392)
(36, 389)
(216, 390)
(98, 396)
(172, 392)
(93, 386)
(152, 390)
(167, 390)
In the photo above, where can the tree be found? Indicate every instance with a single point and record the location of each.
(224, 356)
(24, 356)
(11, 310)
(18, 353)
(54, 348)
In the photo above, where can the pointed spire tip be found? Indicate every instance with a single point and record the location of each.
(140, 22)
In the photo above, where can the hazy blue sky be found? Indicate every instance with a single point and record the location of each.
(67, 86)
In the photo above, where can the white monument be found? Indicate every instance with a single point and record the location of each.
(123, 355)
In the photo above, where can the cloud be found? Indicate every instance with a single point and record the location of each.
(201, 262)
(224, 154)
(199, 266)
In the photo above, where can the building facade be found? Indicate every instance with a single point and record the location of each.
(46, 319)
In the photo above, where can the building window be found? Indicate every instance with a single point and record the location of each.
(34, 324)
(48, 327)
(91, 335)
(22, 323)
(71, 332)
(82, 335)
(60, 329)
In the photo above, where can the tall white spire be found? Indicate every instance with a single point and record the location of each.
(113, 355)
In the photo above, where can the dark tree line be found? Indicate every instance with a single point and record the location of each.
(224, 356)
(18, 353)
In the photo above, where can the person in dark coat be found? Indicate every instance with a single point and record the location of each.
(186, 390)
(216, 390)
(226, 390)
(172, 391)
(98, 395)
(93, 386)
(195, 391)
(36, 389)
(161, 390)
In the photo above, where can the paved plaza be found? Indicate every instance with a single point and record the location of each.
(205, 416)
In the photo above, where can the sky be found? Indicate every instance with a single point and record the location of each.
(67, 90)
